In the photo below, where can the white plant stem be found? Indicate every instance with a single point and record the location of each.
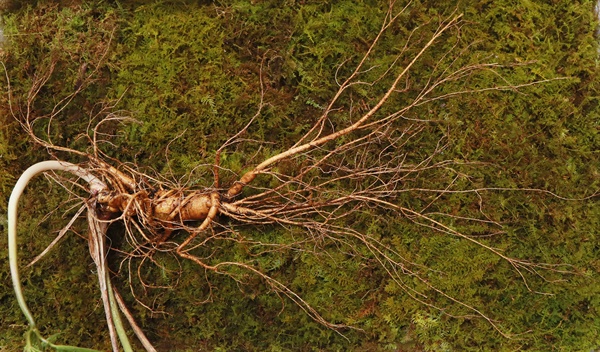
(95, 185)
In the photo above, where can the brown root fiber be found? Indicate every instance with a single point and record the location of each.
(354, 175)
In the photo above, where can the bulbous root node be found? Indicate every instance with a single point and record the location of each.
(357, 160)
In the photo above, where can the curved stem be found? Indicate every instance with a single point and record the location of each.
(95, 186)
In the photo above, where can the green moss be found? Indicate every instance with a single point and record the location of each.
(190, 73)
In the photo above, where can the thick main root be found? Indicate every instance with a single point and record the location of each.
(340, 173)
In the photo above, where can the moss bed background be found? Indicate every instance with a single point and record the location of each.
(189, 71)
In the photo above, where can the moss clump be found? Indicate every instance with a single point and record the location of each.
(190, 72)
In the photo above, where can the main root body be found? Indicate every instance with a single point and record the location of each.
(343, 168)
